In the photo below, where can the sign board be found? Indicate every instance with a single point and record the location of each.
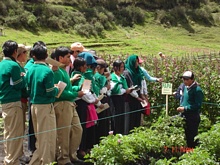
(166, 88)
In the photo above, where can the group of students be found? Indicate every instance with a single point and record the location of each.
(64, 128)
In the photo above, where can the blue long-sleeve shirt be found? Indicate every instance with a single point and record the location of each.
(147, 76)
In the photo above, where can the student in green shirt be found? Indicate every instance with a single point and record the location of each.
(102, 127)
(119, 88)
(40, 86)
(67, 119)
(31, 137)
(80, 68)
(11, 84)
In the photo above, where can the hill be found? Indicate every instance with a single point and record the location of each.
(119, 27)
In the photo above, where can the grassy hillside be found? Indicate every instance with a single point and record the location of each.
(149, 39)
(116, 27)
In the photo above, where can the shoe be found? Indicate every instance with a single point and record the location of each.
(24, 159)
(78, 161)
(81, 154)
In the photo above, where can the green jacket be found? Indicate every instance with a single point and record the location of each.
(192, 99)
(68, 93)
(116, 88)
(40, 84)
(100, 80)
(29, 64)
(76, 86)
(10, 73)
(90, 76)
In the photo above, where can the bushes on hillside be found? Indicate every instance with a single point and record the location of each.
(101, 15)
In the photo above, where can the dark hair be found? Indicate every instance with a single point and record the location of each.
(92, 66)
(78, 62)
(40, 52)
(52, 55)
(117, 64)
(9, 47)
(61, 51)
(35, 44)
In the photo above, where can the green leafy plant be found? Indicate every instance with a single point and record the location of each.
(142, 145)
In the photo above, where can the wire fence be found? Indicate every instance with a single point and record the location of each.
(104, 118)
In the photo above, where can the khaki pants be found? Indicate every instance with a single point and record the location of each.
(13, 132)
(69, 131)
(24, 109)
(44, 123)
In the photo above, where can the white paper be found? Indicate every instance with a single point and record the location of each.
(61, 85)
(53, 62)
(99, 110)
(144, 104)
(86, 86)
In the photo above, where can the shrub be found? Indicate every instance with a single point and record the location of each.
(128, 16)
(198, 156)
(210, 141)
(142, 145)
(3, 9)
(202, 16)
(85, 29)
(170, 70)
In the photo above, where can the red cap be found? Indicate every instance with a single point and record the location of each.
(140, 61)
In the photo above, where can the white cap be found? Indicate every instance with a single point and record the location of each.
(187, 75)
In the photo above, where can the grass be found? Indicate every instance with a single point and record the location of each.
(149, 39)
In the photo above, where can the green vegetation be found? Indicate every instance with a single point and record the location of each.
(162, 144)
(115, 27)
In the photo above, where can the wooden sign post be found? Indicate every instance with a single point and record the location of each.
(166, 90)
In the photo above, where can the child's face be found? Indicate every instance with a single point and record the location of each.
(65, 60)
(83, 68)
(122, 68)
(100, 69)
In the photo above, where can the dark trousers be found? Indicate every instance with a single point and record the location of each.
(103, 124)
(81, 109)
(119, 110)
(191, 128)
(135, 112)
(31, 137)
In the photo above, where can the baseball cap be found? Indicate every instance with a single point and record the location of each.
(140, 61)
(187, 75)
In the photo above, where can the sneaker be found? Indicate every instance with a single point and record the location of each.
(24, 159)
(81, 154)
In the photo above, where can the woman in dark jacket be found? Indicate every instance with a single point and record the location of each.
(134, 76)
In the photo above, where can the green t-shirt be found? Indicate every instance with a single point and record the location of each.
(11, 81)
(100, 80)
(40, 84)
